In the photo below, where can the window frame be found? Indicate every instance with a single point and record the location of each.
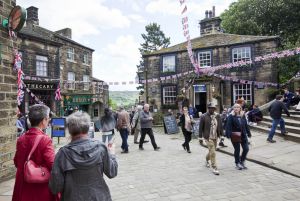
(70, 54)
(86, 82)
(85, 58)
(41, 59)
(210, 60)
(163, 96)
(71, 82)
(241, 53)
(173, 71)
(236, 96)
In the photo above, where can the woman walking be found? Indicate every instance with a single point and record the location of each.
(79, 166)
(43, 156)
(108, 124)
(237, 129)
(186, 127)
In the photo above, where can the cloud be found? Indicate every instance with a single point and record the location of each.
(137, 18)
(85, 18)
(166, 7)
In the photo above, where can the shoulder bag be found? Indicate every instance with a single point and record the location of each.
(34, 173)
(236, 136)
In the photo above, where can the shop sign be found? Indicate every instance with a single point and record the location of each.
(41, 86)
(78, 100)
(200, 88)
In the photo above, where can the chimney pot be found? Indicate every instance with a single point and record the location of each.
(206, 14)
(214, 11)
(209, 14)
(32, 15)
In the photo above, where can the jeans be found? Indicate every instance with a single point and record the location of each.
(124, 136)
(187, 139)
(107, 138)
(148, 131)
(237, 147)
(274, 125)
(211, 155)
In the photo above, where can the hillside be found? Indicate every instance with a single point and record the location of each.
(125, 98)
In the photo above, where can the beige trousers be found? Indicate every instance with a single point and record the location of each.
(211, 155)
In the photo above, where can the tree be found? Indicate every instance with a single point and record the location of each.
(268, 17)
(154, 39)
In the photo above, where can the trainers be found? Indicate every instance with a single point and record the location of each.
(254, 124)
(271, 141)
(189, 151)
(215, 171)
(238, 166)
(243, 165)
(207, 164)
(157, 148)
(124, 152)
(221, 144)
(141, 148)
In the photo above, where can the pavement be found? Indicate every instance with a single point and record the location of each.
(173, 174)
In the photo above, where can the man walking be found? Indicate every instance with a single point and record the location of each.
(275, 110)
(146, 128)
(210, 129)
(123, 126)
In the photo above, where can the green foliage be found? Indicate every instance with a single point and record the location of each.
(112, 104)
(125, 98)
(268, 17)
(158, 118)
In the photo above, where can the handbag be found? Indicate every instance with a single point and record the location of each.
(236, 137)
(34, 173)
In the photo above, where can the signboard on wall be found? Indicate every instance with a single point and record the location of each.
(200, 88)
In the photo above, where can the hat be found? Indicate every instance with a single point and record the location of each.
(211, 105)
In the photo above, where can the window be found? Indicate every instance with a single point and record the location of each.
(41, 65)
(241, 54)
(70, 54)
(85, 58)
(242, 90)
(86, 82)
(71, 80)
(204, 59)
(96, 112)
(169, 95)
(168, 64)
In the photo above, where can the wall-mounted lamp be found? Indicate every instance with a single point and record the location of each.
(213, 88)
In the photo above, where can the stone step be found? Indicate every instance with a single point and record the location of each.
(293, 112)
(293, 117)
(290, 136)
(289, 122)
(289, 128)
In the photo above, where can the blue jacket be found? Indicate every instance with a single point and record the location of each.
(233, 125)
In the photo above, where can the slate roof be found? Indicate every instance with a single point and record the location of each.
(213, 40)
(45, 34)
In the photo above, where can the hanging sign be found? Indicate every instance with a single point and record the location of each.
(16, 18)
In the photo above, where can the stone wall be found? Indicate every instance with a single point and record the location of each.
(8, 103)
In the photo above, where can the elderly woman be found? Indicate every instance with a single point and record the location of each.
(237, 129)
(79, 166)
(43, 155)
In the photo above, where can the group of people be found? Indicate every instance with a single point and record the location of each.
(77, 168)
(141, 123)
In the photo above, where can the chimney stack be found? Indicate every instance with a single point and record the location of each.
(210, 24)
(206, 14)
(209, 14)
(32, 15)
(214, 12)
(66, 32)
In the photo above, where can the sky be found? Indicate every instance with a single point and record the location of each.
(113, 28)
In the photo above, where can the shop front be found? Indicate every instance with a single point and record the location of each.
(76, 102)
(36, 92)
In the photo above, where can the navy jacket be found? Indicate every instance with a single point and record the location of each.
(233, 125)
(276, 108)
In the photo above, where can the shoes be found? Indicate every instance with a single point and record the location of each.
(215, 171)
(124, 152)
(271, 141)
(254, 124)
(285, 133)
(141, 148)
(157, 148)
(136, 143)
(243, 165)
(183, 146)
(146, 141)
(207, 164)
(238, 166)
(221, 144)
(189, 151)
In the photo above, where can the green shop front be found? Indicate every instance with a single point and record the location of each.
(73, 102)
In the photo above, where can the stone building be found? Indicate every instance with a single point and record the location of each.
(51, 59)
(212, 48)
(8, 103)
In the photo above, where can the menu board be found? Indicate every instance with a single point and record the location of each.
(58, 126)
(171, 124)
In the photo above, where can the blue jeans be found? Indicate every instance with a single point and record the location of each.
(274, 125)
(107, 138)
(237, 148)
(124, 136)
